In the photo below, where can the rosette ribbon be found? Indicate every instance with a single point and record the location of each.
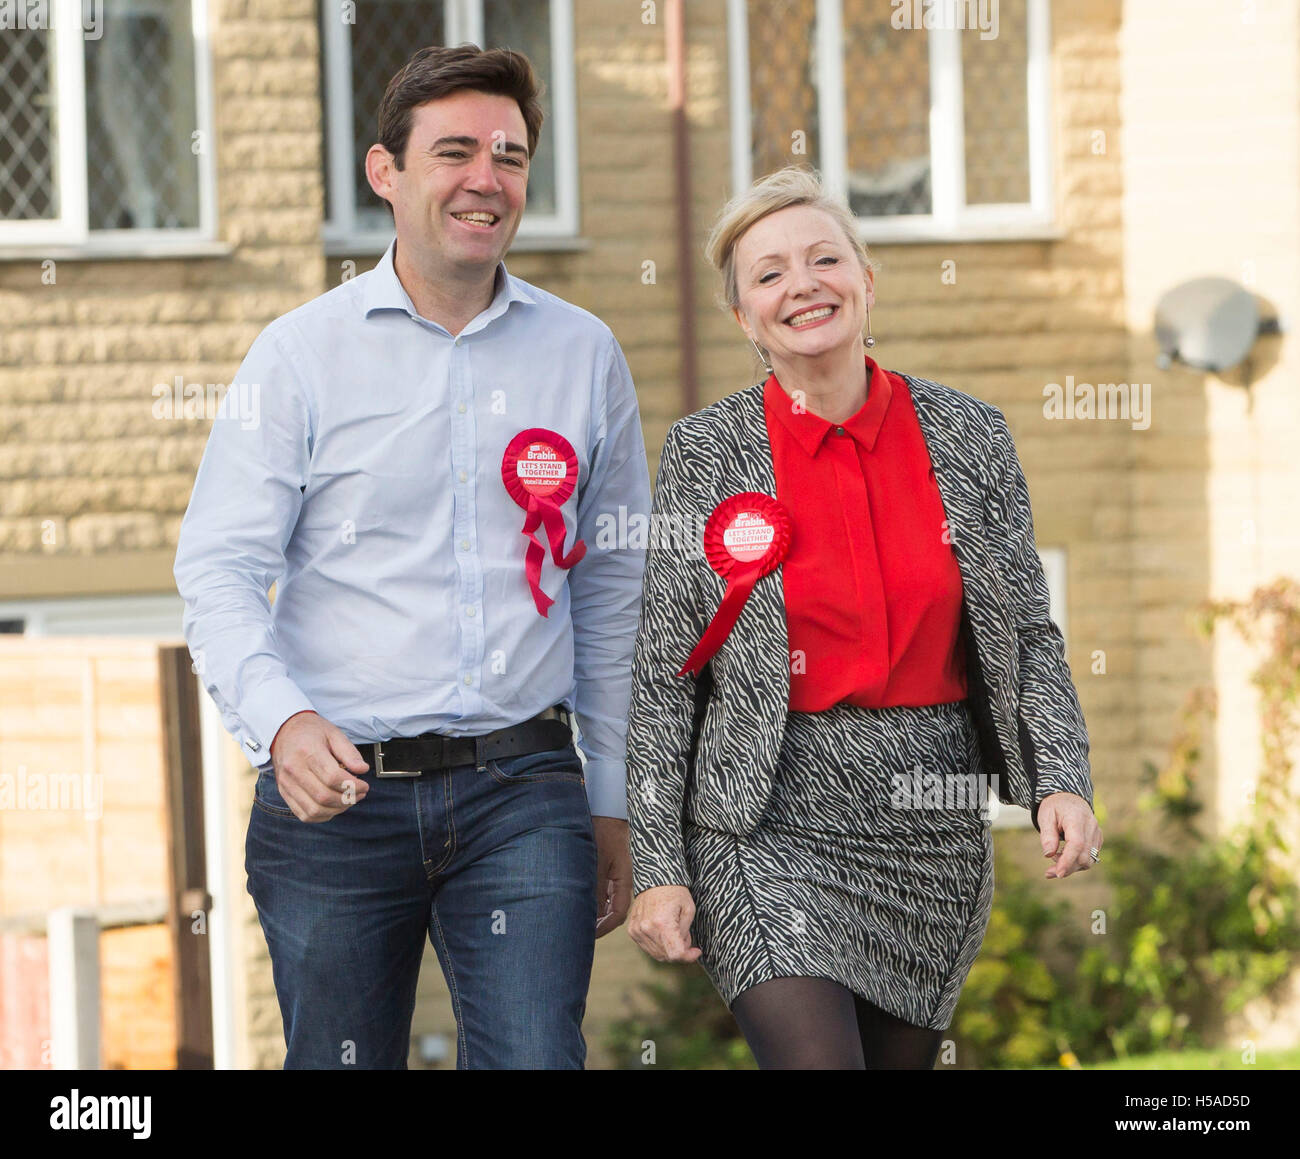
(540, 471)
(747, 536)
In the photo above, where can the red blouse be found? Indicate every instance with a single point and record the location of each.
(873, 593)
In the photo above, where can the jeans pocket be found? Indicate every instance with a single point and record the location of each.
(266, 796)
(550, 765)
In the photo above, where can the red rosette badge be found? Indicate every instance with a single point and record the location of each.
(540, 471)
(747, 536)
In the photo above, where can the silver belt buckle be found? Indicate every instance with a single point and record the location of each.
(379, 765)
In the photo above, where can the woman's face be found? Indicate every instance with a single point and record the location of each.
(803, 291)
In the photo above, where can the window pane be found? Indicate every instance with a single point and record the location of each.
(525, 25)
(994, 83)
(886, 113)
(782, 84)
(387, 33)
(27, 187)
(141, 169)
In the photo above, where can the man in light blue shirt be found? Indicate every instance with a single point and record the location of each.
(370, 489)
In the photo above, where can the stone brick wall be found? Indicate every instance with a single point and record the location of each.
(87, 474)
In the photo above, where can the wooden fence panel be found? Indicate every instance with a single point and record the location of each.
(84, 821)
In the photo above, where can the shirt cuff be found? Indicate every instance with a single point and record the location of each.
(606, 788)
(262, 713)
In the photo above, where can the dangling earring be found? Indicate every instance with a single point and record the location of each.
(868, 341)
(766, 365)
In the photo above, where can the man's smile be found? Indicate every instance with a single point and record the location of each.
(479, 219)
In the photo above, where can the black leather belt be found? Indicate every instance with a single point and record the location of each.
(411, 756)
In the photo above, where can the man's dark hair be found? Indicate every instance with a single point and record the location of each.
(433, 73)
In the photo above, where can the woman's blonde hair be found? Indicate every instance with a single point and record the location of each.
(793, 185)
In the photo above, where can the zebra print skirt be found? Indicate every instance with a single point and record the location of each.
(845, 877)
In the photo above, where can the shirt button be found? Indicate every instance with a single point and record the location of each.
(839, 430)
(469, 611)
(457, 342)
(464, 545)
(461, 408)
(469, 680)
(462, 476)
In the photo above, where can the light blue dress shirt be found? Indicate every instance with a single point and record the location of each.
(356, 464)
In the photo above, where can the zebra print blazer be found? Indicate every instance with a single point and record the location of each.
(706, 747)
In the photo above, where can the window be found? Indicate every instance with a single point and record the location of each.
(159, 616)
(364, 43)
(105, 131)
(926, 132)
(1054, 570)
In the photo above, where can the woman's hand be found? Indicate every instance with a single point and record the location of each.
(660, 923)
(1066, 816)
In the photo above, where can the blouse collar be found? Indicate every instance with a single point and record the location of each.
(810, 430)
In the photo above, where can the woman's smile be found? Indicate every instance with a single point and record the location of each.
(809, 316)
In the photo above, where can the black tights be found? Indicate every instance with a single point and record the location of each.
(817, 1024)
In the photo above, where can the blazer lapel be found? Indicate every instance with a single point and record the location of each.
(958, 485)
(757, 646)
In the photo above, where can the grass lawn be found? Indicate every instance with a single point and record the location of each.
(1205, 1060)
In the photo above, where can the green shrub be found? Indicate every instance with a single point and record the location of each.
(685, 1023)
(1011, 1012)
(1193, 934)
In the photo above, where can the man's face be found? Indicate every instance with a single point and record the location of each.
(460, 196)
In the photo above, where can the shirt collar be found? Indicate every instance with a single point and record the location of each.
(384, 291)
(809, 430)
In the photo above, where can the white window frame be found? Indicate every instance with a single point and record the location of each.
(159, 615)
(1055, 569)
(951, 219)
(463, 20)
(71, 229)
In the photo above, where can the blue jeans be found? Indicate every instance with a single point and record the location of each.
(497, 865)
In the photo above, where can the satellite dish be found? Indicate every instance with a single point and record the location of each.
(1207, 324)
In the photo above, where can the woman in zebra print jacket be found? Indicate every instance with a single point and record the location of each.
(809, 853)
